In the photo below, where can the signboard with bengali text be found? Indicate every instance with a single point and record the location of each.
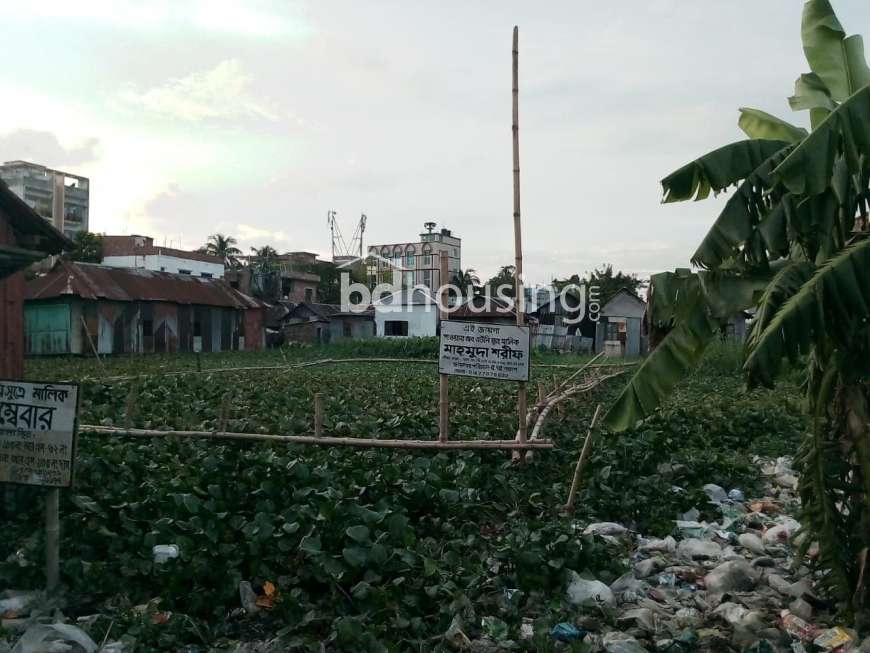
(486, 351)
(37, 432)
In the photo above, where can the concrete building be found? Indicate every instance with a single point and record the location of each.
(60, 197)
(412, 313)
(80, 307)
(25, 238)
(141, 252)
(416, 263)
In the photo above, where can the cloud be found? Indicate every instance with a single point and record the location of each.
(220, 93)
(43, 147)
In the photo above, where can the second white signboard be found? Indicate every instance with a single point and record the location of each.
(487, 351)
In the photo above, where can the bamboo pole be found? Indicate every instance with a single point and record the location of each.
(93, 347)
(318, 414)
(443, 405)
(52, 539)
(518, 234)
(581, 461)
(331, 361)
(324, 441)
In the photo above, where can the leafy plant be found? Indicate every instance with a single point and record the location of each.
(792, 241)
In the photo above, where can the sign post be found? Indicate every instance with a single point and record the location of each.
(485, 351)
(443, 406)
(38, 424)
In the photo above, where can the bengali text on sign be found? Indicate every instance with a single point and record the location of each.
(488, 351)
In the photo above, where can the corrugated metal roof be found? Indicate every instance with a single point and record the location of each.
(90, 281)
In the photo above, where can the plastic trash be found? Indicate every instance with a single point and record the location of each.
(527, 629)
(833, 638)
(667, 580)
(50, 637)
(715, 493)
(605, 528)
(584, 592)
(494, 628)
(164, 552)
(616, 642)
(15, 603)
(455, 635)
(797, 627)
(736, 495)
(565, 632)
(248, 597)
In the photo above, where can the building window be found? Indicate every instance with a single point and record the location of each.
(427, 278)
(612, 331)
(396, 328)
(205, 275)
(180, 271)
(162, 269)
(309, 294)
(409, 256)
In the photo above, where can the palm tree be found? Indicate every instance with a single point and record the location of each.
(792, 241)
(467, 281)
(224, 247)
(264, 257)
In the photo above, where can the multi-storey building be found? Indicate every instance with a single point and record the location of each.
(59, 197)
(141, 252)
(416, 263)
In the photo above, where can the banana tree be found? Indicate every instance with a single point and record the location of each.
(793, 242)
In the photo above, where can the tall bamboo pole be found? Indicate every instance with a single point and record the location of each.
(52, 539)
(518, 234)
(443, 422)
(581, 461)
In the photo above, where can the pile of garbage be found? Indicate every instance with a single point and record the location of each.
(729, 585)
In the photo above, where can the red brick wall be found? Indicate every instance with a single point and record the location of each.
(253, 328)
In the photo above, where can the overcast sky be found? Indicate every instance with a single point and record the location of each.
(256, 118)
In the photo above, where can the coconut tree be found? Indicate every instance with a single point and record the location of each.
(263, 258)
(467, 281)
(224, 247)
(792, 241)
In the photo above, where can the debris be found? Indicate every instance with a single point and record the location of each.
(248, 597)
(617, 642)
(565, 632)
(776, 535)
(801, 608)
(267, 598)
(797, 627)
(751, 542)
(15, 604)
(696, 549)
(736, 495)
(834, 638)
(164, 552)
(715, 493)
(494, 628)
(455, 635)
(527, 629)
(606, 528)
(731, 576)
(40, 638)
(584, 592)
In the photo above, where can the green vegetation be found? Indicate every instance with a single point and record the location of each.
(369, 549)
(792, 241)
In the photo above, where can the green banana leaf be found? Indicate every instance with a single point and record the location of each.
(743, 211)
(784, 285)
(810, 93)
(666, 290)
(838, 61)
(677, 354)
(718, 169)
(760, 124)
(829, 305)
(809, 167)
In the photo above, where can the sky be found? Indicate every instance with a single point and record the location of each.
(256, 118)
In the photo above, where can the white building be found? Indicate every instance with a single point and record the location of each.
(140, 252)
(409, 313)
(417, 263)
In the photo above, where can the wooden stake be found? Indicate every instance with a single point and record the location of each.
(226, 407)
(93, 347)
(443, 405)
(130, 405)
(323, 441)
(318, 414)
(581, 461)
(52, 539)
(518, 234)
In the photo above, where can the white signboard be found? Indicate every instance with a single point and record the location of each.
(37, 432)
(487, 351)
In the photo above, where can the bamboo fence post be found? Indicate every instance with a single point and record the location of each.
(518, 235)
(318, 414)
(542, 394)
(443, 406)
(52, 539)
(93, 347)
(226, 405)
(581, 461)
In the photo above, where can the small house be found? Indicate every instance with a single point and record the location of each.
(619, 331)
(563, 324)
(81, 308)
(481, 308)
(411, 312)
(25, 238)
(311, 322)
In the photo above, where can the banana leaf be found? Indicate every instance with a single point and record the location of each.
(718, 169)
(760, 124)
